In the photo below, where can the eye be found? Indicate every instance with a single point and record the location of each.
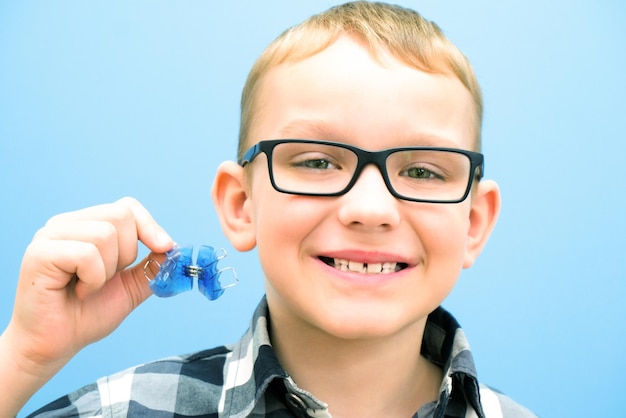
(421, 173)
(315, 161)
(319, 164)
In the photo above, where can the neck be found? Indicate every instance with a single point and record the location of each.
(384, 376)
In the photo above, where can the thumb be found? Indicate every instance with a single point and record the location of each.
(136, 279)
(105, 310)
(129, 288)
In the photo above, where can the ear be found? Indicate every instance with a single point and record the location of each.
(231, 200)
(482, 218)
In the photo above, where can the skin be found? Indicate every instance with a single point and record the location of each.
(331, 328)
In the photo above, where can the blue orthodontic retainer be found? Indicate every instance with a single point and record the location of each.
(177, 272)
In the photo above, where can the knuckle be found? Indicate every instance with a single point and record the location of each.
(32, 250)
(108, 232)
(55, 219)
(124, 210)
(40, 233)
(128, 202)
(119, 212)
(91, 253)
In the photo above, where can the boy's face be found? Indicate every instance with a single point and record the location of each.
(342, 94)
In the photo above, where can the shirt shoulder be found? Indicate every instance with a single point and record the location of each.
(153, 388)
(498, 405)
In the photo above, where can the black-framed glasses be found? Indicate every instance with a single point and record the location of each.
(321, 168)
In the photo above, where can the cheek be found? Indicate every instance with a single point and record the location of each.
(443, 233)
(281, 216)
(283, 223)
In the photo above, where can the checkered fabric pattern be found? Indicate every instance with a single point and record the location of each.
(246, 380)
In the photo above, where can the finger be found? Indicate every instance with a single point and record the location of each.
(53, 265)
(120, 217)
(132, 222)
(126, 290)
(148, 230)
(103, 235)
(137, 282)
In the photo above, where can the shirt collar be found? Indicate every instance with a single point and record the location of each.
(253, 369)
(445, 345)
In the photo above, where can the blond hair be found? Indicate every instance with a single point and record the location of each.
(402, 32)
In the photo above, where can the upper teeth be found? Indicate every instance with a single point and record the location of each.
(366, 268)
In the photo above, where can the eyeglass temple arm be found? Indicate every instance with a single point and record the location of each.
(250, 154)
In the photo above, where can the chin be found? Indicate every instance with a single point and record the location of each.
(367, 324)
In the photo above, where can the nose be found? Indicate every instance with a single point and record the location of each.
(369, 204)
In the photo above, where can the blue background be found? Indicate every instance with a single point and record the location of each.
(100, 100)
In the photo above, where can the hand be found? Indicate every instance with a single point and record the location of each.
(75, 286)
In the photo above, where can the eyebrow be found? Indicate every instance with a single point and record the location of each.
(307, 129)
(321, 130)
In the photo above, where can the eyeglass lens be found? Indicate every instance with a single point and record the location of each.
(312, 168)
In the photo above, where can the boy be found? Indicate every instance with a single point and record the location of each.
(359, 182)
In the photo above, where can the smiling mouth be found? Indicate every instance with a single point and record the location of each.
(364, 268)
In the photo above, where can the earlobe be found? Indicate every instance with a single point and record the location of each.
(482, 218)
(231, 201)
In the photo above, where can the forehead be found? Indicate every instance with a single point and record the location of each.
(345, 94)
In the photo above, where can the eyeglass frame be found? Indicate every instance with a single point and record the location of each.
(364, 158)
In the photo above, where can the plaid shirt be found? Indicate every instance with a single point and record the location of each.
(246, 380)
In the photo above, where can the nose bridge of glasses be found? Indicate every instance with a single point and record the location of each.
(367, 158)
(369, 200)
